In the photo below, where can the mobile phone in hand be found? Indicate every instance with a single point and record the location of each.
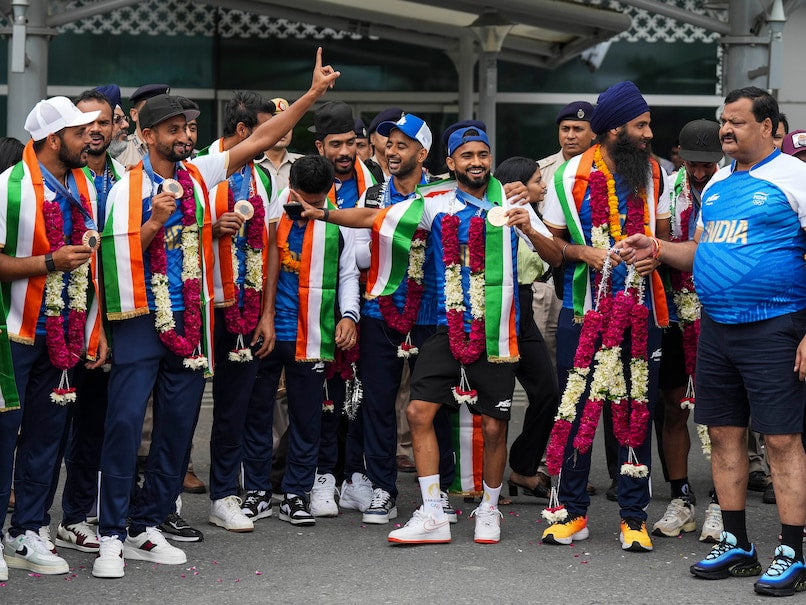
(293, 210)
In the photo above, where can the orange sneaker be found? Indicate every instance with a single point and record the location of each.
(567, 531)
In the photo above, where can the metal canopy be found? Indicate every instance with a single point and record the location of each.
(546, 32)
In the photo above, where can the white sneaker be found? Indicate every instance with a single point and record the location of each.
(44, 533)
(422, 528)
(679, 517)
(109, 562)
(78, 536)
(3, 566)
(29, 551)
(357, 494)
(151, 545)
(226, 513)
(381, 509)
(323, 501)
(712, 526)
(448, 508)
(488, 525)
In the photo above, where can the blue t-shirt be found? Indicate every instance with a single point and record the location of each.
(749, 265)
(427, 315)
(618, 272)
(287, 299)
(347, 193)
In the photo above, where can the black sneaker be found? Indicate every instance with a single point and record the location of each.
(296, 511)
(612, 491)
(177, 529)
(757, 481)
(257, 504)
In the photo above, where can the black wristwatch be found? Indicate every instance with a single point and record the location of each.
(49, 264)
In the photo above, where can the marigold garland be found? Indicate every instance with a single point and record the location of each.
(609, 319)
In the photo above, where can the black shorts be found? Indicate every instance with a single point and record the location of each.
(672, 363)
(437, 372)
(745, 371)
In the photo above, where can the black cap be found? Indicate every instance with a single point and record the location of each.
(699, 142)
(446, 134)
(148, 91)
(334, 117)
(186, 103)
(360, 129)
(160, 108)
(576, 110)
(392, 114)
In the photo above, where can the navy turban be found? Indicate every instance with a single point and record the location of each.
(616, 106)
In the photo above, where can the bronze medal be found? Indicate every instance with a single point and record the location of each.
(497, 216)
(245, 209)
(173, 187)
(91, 238)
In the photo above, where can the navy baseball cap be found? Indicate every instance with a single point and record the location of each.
(410, 125)
(576, 110)
(466, 135)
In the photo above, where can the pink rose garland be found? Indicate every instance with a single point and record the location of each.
(404, 321)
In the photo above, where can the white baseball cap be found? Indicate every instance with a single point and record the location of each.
(51, 115)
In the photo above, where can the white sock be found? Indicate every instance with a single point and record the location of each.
(432, 501)
(490, 497)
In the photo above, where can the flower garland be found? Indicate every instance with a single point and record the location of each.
(465, 349)
(238, 322)
(609, 319)
(688, 307)
(403, 322)
(186, 346)
(64, 352)
(288, 261)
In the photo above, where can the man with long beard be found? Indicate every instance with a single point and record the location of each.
(596, 217)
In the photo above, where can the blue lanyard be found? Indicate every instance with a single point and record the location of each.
(473, 201)
(246, 182)
(56, 186)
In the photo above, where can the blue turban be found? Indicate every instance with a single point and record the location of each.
(616, 106)
(112, 94)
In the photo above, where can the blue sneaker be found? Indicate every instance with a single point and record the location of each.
(785, 575)
(727, 559)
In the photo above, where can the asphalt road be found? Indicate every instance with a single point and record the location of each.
(341, 560)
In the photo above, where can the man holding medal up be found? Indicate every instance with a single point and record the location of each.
(471, 358)
(158, 285)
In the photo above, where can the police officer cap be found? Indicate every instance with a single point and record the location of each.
(148, 91)
(392, 114)
(576, 110)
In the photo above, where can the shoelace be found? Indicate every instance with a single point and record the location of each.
(673, 511)
(36, 542)
(712, 517)
(487, 516)
(779, 565)
(379, 498)
(720, 549)
(109, 543)
(634, 524)
(155, 535)
(251, 499)
(233, 502)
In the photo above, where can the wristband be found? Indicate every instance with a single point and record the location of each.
(326, 214)
(49, 264)
(564, 247)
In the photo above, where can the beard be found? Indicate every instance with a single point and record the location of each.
(631, 162)
(117, 147)
(73, 160)
(471, 181)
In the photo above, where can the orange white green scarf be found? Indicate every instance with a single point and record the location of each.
(318, 277)
(22, 196)
(123, 273)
